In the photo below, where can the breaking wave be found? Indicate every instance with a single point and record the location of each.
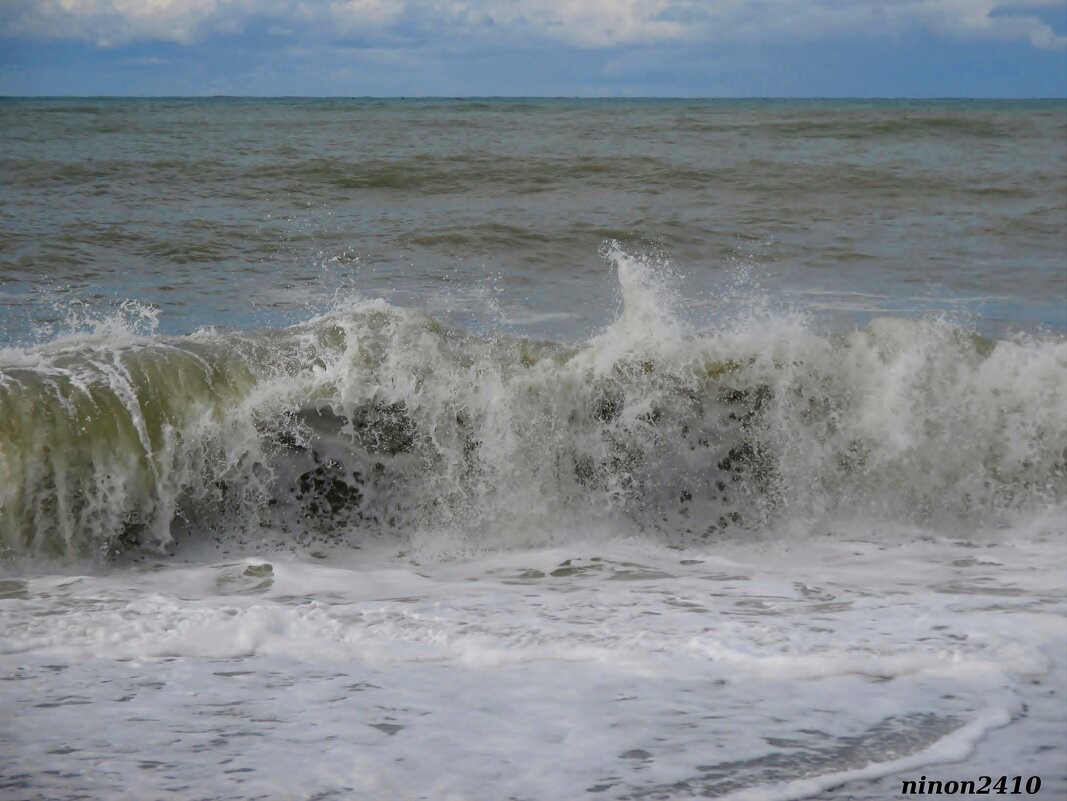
(373, 418)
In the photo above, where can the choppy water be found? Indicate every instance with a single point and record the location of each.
(241, 213)
(531, 449)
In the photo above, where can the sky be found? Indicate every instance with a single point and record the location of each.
(672, 48)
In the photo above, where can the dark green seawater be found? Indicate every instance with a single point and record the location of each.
(249, 213)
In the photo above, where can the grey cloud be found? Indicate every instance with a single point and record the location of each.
(581, 23)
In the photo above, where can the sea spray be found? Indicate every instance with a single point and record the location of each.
(373, 418)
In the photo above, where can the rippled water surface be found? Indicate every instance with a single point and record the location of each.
(236, 212)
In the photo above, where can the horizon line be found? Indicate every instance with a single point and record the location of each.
(534, 97)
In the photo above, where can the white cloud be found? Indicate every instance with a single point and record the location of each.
(982, 19)
(110, 22)
(584, 23)
(587, 23)
(789, 20)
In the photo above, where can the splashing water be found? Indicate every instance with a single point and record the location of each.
(372, 417)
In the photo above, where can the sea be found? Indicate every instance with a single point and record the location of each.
(532, 449)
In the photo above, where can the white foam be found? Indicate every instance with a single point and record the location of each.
(771, 669)
(653, 422)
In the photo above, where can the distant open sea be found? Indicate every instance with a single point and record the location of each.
(531, 448)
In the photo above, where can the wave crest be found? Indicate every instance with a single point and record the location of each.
(373, 418)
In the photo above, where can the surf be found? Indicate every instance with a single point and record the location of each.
(373, 420)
